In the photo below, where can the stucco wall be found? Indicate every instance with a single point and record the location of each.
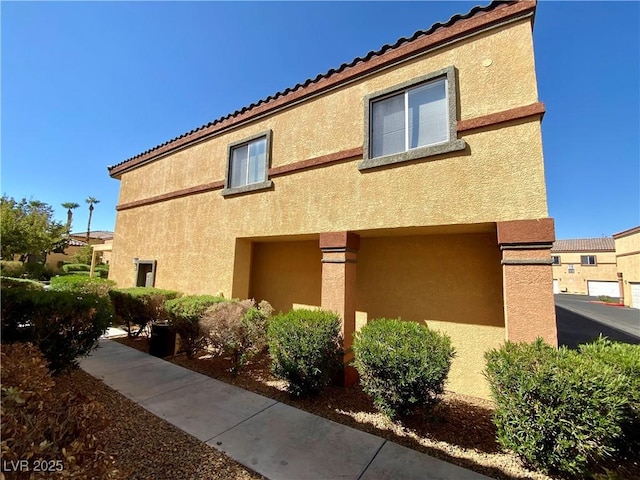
(628, 256)
(453, 283)
(338, 116)
(604, 270)
(284, 273)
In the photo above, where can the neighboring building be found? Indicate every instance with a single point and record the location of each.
(585, 266)
(408, 183)
(55, 261)
(97, 237)
(628, 257)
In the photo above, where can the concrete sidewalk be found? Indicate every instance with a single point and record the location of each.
(268, 437)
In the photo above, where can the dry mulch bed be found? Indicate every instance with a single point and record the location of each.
(145, 446)
(458, 430)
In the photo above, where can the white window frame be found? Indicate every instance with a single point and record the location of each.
(452, 144)
(588, 263)
(571, 268)
(248, 187)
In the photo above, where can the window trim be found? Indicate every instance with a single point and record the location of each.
(452, 145)
(595, 260)
(251, 187)
(571, 268)
(554, 257)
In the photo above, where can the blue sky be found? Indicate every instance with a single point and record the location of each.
(86, 85)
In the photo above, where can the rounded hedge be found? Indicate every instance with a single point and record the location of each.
(402, 365)
(305, 348)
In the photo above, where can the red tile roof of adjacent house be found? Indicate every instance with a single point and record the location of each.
(76, 243)
(604, 244)
(458, 26)
(101, 234)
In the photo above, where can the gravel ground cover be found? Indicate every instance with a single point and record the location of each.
(458, 430)
(146, 447)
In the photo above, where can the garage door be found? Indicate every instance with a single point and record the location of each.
(635, 295)
(597, 288)
(556, 286)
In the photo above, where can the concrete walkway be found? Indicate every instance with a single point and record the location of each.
(268, 437)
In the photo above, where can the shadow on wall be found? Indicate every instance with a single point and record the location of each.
(574, 329)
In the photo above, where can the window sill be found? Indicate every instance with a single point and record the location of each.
(413, 154)
(253, 187)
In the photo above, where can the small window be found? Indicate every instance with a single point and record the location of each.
(555, 259)
(412, 120)
(248, 164)
(587, 260)
(570, 268)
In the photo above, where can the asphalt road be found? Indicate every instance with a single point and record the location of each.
(580, 321)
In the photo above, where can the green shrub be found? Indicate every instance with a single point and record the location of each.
(64, 325)
(238, 329)
(37, 271)
(42, 421)
(624, 358)
(401, 365)
(10, 282)
(11, 269)
(102, 270)
(184, 317)
(305, 348)
(82, 284)
(139, 306)
(558, 410)
(76, 267)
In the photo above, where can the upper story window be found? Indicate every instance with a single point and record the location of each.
(248, 164)
(412, 120)
(587, 260)
(555, 259)
(570, 268)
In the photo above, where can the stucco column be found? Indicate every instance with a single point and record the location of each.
(527, 279)
(93, 262)
(339, 256)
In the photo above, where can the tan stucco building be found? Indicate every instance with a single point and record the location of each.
(407, 183)
(585, 266)
(628, 259)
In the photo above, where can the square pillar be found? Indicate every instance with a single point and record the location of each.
(527, 279)
(339, 256)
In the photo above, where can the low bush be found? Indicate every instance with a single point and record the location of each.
(624, 358)
(56, 427)
(11, 269)
(305, 348)
(402, 365)
(64, 325)
(37, 271)
(102, 270)
(76, 267)
(238, 329)
(184, 317)
(139, 306)
(10, 282)
(558, 410)
(82, 284)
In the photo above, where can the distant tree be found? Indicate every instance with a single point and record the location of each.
(28, 228)
(70, 206)
(91, 201)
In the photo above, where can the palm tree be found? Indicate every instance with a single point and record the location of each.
(91, 201)
(70, 206)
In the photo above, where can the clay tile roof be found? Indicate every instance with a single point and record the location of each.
(76, 243)
(604, 244)
(261, 105)
(101, 234)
